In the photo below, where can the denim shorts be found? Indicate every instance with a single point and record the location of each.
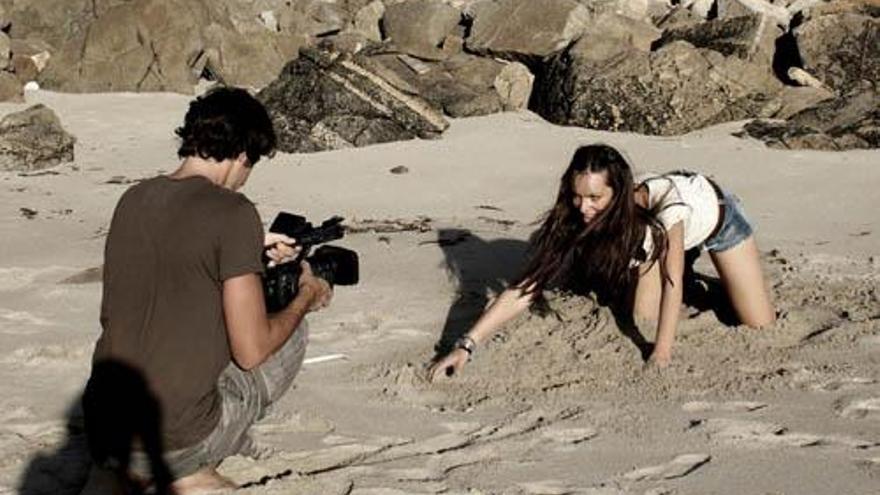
(735, 227)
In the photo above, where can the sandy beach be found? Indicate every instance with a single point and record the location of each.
(554, 404)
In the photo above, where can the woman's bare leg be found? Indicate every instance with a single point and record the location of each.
(646, 302)
(740, 270)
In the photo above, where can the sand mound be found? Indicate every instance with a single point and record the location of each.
(828, 310)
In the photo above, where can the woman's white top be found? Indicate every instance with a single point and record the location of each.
(689, 199)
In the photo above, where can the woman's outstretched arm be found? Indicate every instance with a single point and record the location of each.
(670, 297)
(508, 305)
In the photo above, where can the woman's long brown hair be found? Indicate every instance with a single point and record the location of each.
(565, 250)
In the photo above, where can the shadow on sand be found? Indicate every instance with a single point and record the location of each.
(115, 412)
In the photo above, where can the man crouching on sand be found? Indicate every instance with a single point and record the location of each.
(188, 358)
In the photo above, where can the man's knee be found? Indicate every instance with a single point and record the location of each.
(276, 375)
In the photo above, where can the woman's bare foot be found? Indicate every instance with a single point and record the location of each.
(204, 481)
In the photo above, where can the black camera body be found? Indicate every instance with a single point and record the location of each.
(336, 265)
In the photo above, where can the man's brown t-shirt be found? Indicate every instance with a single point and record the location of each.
(171, 245)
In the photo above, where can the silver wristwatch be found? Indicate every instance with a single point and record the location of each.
(466, 343)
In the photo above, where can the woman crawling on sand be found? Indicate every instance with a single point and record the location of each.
(628, 238)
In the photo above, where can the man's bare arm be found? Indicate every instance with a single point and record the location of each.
(254, 335)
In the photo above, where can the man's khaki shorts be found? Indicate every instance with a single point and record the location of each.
(246, 396)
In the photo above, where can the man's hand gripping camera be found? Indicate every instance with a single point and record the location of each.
(336, 265)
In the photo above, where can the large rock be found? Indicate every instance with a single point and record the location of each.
(677, 89)
(368, 20)
(738, 8)
(312, 18)
(11, 88)
(252, 60)
(841, 50)
(850, 122)
(52, 21)
(750, 37)
(29, 58)
(609, 34)
(167, 45)
(145, 45)
(526, 30)
(5, 51)
(419, 27)
(811, 8)
(325, 100)
(461, 86)
(514, 86)
(33, 139)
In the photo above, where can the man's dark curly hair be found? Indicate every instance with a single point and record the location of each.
(224, 122)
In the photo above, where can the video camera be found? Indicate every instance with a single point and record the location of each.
(336, 265)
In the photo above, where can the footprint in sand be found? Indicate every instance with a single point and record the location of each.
(49, 355)
(16, 278)
(547, 487)
(733, 406)
(568, 438)
(676, 468)
(18, 322)
(381, 491)
(859, 408)
(758, 434)
(844, 384)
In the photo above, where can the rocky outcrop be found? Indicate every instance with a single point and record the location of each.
(368, 19)
(841, 50)
(325, 100)
(610, 34)
(11, 88)
(29, 58)
(139, 46)
(677, 89)
(750, 37)
(522, 30)
(33, 139)
(838, 124)
(167, 45)
(514, 86)
(419, 27)
(462, 86)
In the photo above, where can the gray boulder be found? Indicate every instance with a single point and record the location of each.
(251, 60)
(841, 50)
(29, 58)
(609, 34)
(775, 12)
(11, 87)
(419, 27)
(145, 45)
(367, 20)
(167, 45)
(526, 30)
(514, 86)
(851, 122)
(312, 18)
(5, 51)
(52, 21)
(461, 86)
(677, 89)
(750, 37)
(325, 100)
(33, 139)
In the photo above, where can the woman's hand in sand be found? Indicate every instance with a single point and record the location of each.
(280, 248)
(450, 364)
(659, 359)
